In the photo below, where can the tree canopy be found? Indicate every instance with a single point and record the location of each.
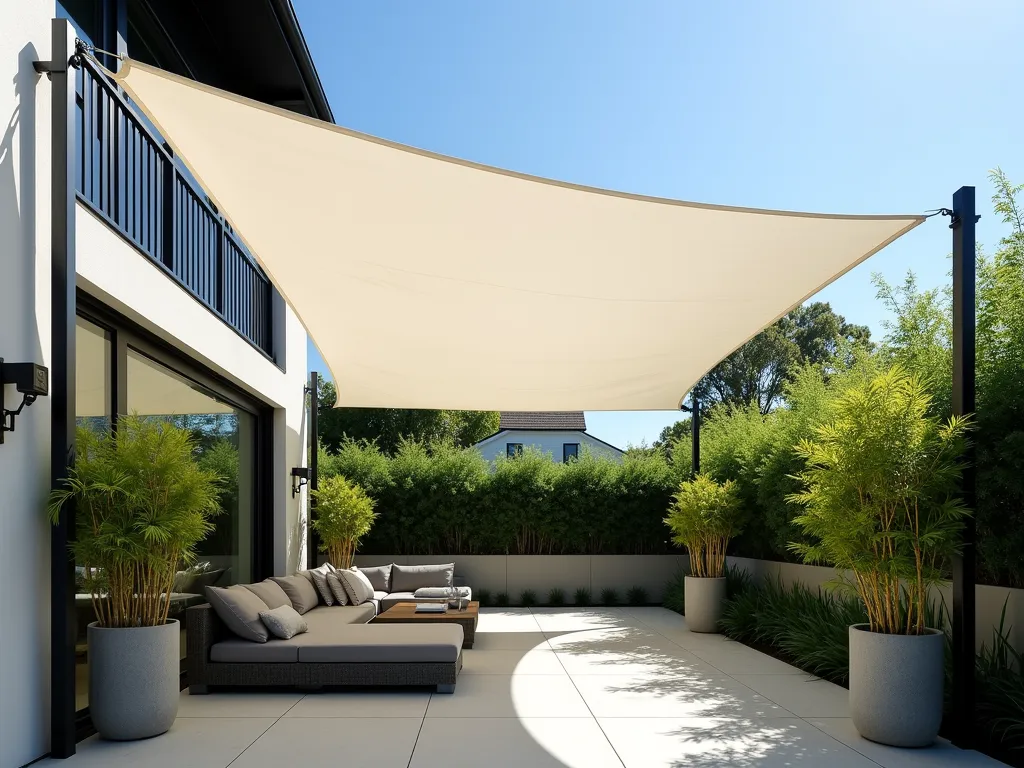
(758, 371)
(387, 427)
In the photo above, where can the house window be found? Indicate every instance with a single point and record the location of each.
(570, 451)
(513, 449)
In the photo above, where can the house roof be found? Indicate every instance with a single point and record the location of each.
(543, 420)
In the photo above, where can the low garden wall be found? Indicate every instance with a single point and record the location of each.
(990, 600)
(513, 574)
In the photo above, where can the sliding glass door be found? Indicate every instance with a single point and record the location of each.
(225, 436)
(122, 370)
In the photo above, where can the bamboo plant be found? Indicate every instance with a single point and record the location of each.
(880, 497)
(142, 505)
(704, 515)
(344, 514)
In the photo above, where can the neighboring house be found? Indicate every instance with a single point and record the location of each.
(123, 280)
(560, 434)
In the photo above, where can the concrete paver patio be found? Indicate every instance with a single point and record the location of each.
(558, 687)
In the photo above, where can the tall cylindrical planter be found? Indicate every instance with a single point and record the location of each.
(896, 686)
(134, 680)
(703, 602)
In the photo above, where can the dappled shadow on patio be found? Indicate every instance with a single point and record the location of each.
(544, 688)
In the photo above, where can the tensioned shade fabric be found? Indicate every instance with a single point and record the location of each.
(429, 282)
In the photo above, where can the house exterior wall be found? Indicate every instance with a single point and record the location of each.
(24, 337)
(547, 441)
(113, 272)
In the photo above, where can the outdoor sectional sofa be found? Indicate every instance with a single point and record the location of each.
(340, 648)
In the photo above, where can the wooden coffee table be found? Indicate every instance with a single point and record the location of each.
(405, 613)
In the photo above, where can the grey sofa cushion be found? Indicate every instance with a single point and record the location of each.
(327, 619)
(284, 622)
(376, 600)
(300, 591)
(357, 586)
(240, 610)
(383, 643)
(270, 592)
(337, 588)
(319, 578)
(394, 598)
(379, 576)
(409, 578)
(273, 651)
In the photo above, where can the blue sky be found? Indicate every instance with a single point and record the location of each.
(847, 107)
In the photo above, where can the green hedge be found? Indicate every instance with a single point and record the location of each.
(445, 500)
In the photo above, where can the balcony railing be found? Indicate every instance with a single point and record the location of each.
(127, 174)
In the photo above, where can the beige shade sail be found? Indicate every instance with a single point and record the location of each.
(429, 282)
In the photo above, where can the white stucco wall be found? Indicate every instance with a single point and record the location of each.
(24, 337)
(546, 440)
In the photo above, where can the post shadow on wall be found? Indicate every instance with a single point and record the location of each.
(20, 334)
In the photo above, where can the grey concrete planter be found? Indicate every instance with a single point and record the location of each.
(134, 680)
(704, 599)
(896, 686)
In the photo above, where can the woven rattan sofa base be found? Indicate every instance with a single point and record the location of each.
(204, 629)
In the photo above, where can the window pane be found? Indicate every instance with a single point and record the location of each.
(93, 376)
(93, 404)
(226, 439)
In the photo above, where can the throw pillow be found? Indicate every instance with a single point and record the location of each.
(337, 588)
(284, 622)
(319, 579)
(240, 610)
(357, 586)
(379, 576)
(300, 591)
(269, 592)
(409, 578)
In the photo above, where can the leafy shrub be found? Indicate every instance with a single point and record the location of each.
(483, 596)
(581, 596)
(609, 596)
(556, 596)
(1000, 681)
(344, 514)
(144, 504)
(881, 496)
(501, 599)
(439, 499)
(636, 596)
(673, 597)
(810, 628)
(703, 517)
(528, 598)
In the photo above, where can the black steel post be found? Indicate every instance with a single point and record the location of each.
(314, 406)
(963, 698)
(62, 390)
(695, 430)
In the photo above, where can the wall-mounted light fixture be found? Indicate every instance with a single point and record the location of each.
(300, 477)
(30, 380)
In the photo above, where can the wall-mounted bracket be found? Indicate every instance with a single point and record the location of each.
(31, 380)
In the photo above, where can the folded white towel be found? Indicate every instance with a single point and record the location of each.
(439, 593)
